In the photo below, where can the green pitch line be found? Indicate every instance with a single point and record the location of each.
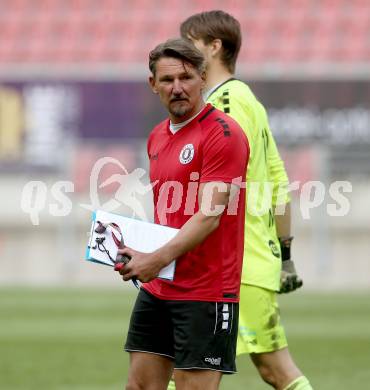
(72, 339)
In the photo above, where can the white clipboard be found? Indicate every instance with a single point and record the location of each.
(139, 235)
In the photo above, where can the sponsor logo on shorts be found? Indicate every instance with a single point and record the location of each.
(213, 361)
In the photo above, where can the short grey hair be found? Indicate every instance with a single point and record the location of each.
(179, 48)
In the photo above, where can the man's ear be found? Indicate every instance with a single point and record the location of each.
(152, 84)
(216, 47)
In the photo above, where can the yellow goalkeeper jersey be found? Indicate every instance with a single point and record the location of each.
(267, 183)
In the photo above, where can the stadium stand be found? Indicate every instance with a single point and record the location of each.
(89, 32)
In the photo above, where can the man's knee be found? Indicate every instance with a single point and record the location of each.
(276, 368)
(197, 379)
(267, 375)
(142, 383)
(133, 386)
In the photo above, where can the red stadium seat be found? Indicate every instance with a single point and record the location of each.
(113, 31)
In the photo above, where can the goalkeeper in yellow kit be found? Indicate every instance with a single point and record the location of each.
(267, 267)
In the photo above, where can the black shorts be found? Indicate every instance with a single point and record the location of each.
(195, 334)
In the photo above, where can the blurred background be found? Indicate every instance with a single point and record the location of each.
(73, 89)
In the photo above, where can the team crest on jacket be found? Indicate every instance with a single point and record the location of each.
(186, 154)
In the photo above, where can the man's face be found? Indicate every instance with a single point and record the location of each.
(179, 86)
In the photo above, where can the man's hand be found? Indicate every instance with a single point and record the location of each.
(142, 266)
(289, 280)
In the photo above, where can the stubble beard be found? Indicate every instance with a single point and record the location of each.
(179, 110)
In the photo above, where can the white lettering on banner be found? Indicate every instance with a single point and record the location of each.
(337, 126)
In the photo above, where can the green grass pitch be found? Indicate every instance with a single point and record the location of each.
(72, 339)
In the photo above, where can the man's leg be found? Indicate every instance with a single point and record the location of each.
(262, 336)
(150, 344)
(205, 340)
(197, 379)
(148, 371)
(278, 369)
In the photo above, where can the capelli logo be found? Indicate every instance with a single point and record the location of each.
(213, 361)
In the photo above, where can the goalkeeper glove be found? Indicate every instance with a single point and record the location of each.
(289, 280)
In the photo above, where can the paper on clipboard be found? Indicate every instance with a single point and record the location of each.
(139, 235)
